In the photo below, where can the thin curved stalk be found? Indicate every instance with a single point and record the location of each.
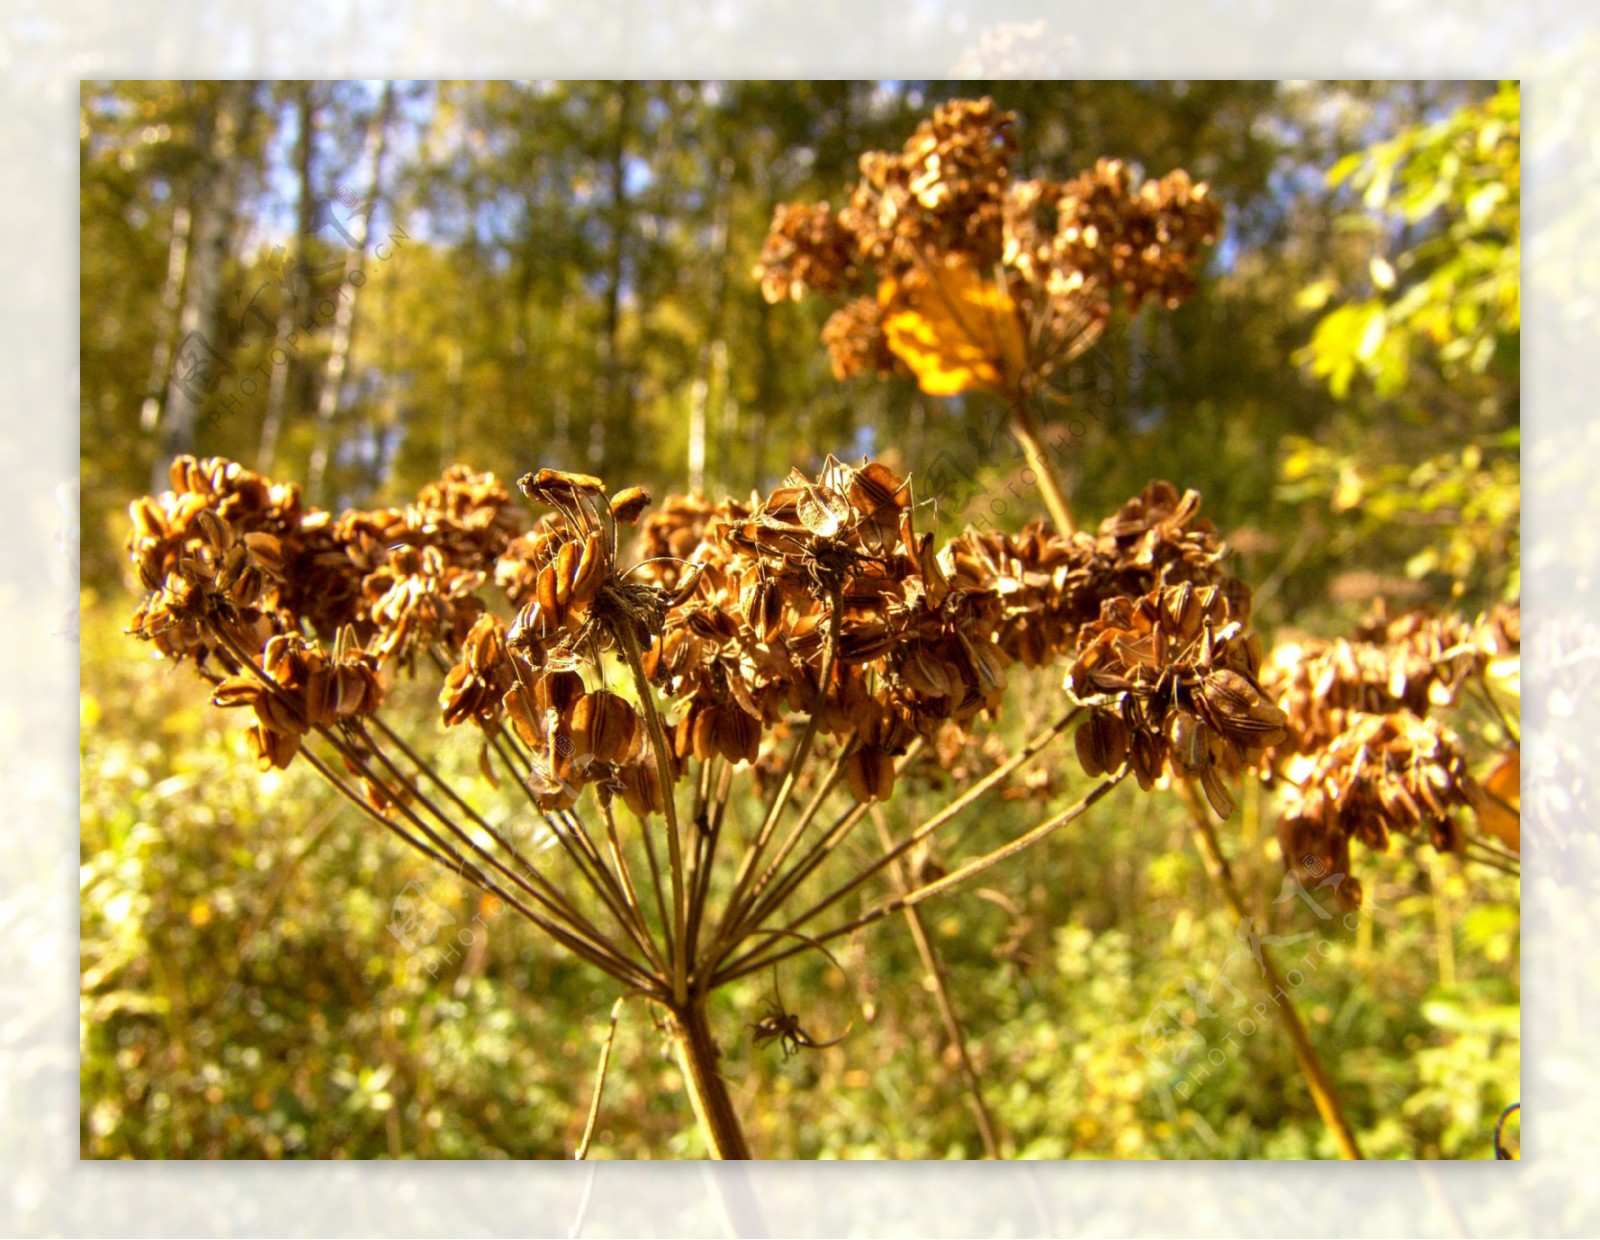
(678, 944)
(819, 853)
(621, 970)
(755, 960)
(600, 1080)
(739, 898)
(732, 932)
(1323, 1093)
(932, 966)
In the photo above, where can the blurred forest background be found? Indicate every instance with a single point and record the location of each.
(354, 284)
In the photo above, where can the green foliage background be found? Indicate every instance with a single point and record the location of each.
(242, 993)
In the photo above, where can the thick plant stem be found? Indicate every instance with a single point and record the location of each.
(708, 1092)
(1055, 499)
(1323, 1093)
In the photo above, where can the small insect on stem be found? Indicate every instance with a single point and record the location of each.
(777, 1024)
(782, 1026)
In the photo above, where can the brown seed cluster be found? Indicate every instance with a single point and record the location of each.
(856, 342)
(1144, 240)
(823, 596)
(303, 688)
(1361, 757)
(1383, 773)
(1413, 663)
(1052, 584)
(945, 211)
(819, 600)
(1172, 680)
(807, 250)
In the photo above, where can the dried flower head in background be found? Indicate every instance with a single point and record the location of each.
(942, 260)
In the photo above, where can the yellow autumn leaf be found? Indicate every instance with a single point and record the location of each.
(1500, 815)
(954, 329)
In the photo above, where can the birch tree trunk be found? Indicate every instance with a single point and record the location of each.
(298, 255)
(200, 365)
(612, 403)
(714, 356)
(171, 295)
(344, 319)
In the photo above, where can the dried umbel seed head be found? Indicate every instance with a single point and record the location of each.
(575, 737)
(1383, 773)
(1018, 278)
(303, 689)
(819, 601)
(807, 249)
(576, 602)
(1414, 663)
(475, 688)
(942, 191)
(1175, 674)
(855, 341)
(1145, 242)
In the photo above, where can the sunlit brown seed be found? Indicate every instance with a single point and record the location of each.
(763, 608)
(1188, 739)
(566, 563)
(520, 712)
(321, 694)
(1216, 790)
(147, 518)
(214, 529)
(1181, 612)
(605, 726)
(875, 486)
(641, 788)
(688, 583)
(589, 574)
(989, 663)
(1147, 757)
(925, 673)
(273, 748)
(1240, 709)
(237, 691)
(527, 629)
(822, 511)
(866, 643)
(355, 691)
(546, 591)
(705, 734)
(267, 552)
(870, 774)
(1102, 744)
(557, 488)
(246, 591)
(277, 715)
(737, 735)
(151, 571)
(627, 505)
